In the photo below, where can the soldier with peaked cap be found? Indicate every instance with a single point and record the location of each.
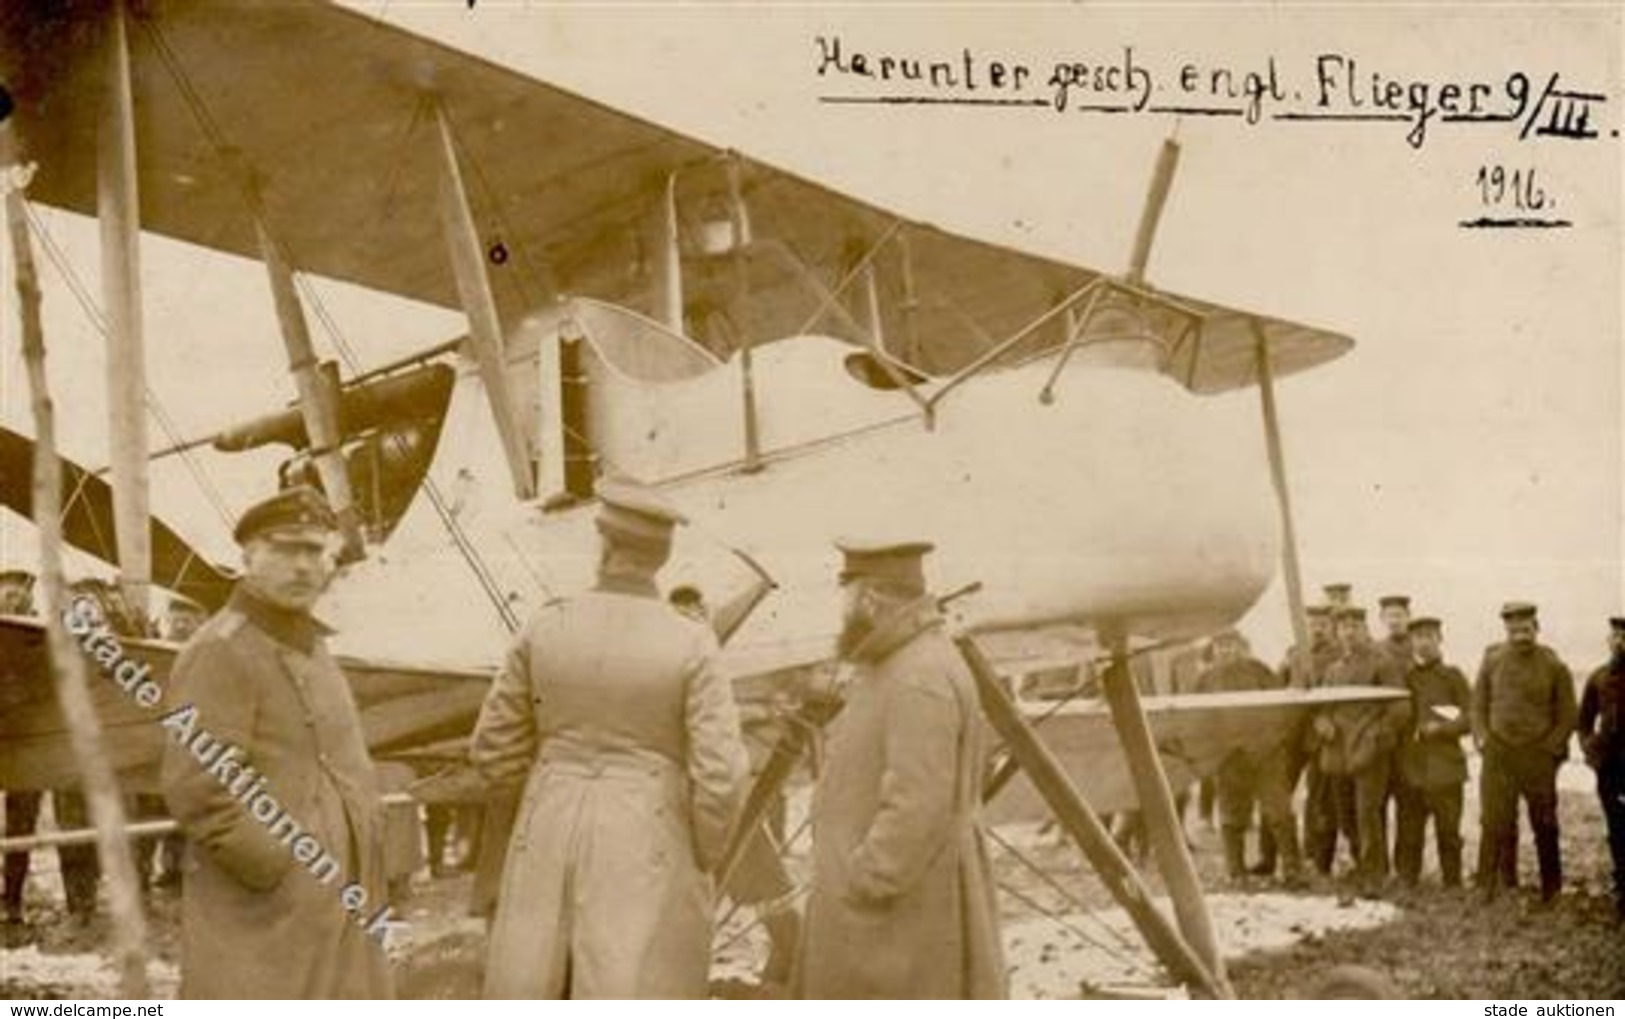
(610, 710)
(255, 692)
(160, 857)
(1523, 715)
(16, 593)
(1304, 669)
(1318, 657)
(1256, 773)
(1432, 765)
(1339, 595)
(1357, 745)
(1395, 612)
(902, 898)
(183, 618)
(1602, 735)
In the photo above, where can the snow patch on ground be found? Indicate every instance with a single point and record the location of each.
(1102, 951)
(79, 974)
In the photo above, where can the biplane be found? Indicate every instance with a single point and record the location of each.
(786, 362)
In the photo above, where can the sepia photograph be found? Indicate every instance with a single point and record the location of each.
(799, 500)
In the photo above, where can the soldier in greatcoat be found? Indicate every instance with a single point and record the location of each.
(1256, 773)
(902, 899)
(1357, 742)
(1523, 716)
(611, 713)
(265, 767)
(1432, 764)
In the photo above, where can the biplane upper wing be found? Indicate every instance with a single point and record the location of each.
(562, 188)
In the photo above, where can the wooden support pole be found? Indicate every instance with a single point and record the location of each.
(118, 209)
(911, 355)
(668, 266)
(1166, 833)
(67, 663)
(318, 402)
(740, 233)
(485, 327)
(1162, 180)
(1048, 776)
(873, 323)
(1290, 568)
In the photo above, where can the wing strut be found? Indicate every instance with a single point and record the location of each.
(1162, 823)
(67, 662)
(1283, 498)
(318, 403)
(1049, 777)
(118, 208)
(668, 271)
(484, 327)
(1167, 835)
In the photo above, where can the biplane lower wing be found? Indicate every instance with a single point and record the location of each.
(1194, 734)
(424, 715)
(87, 523)
(401, 706)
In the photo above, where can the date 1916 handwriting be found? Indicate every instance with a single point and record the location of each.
(1513, 199)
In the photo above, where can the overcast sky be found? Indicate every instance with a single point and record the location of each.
(1468, 451)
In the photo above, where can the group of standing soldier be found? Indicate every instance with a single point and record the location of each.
(621, 738)
(611, 715)
(157, 859)
(614, 728)
(1358, 758)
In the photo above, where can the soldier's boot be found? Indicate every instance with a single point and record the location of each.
(1449, 848)
(1450, 870)
(1291, 859)
(1268, 853)
(1235, 853)
(1551, 862)
(16, 877)
(784, 937)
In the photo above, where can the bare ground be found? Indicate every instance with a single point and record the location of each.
(1429, 944)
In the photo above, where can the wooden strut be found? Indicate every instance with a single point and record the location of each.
(1166, 834)
(118, 213)
(67, 664)
(484, 326)
(1088, 832)
(1291, 569)
(318, 401)
(739, 233)
(1027, 753)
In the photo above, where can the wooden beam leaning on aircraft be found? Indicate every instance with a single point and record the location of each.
(609, 709)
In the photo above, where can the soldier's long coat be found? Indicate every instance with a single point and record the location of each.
(902, 902)
(628, 743)
(256, 922)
